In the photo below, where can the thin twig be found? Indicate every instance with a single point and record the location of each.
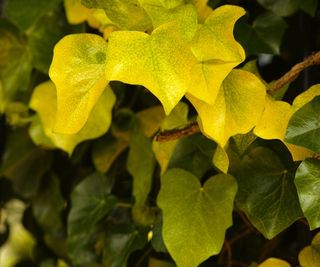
(174, 134)
(293, 73)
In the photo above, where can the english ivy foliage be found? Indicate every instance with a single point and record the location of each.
(85, 87)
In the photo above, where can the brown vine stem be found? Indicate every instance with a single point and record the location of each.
(291, 75)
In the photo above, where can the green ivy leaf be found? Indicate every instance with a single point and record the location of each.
(161, 62)
(281, 8)
(267, 193)
(308, 185)
(141, 164)
(15, 62)
(97, 124)
(43, 36)
(77, 69)
(195, 218)
(303, 129)
(24, 16)
(47, 206)
(153, 262)
(120, 242)
(193, 154)
(90, 202)
(24, 164)
(264, 35)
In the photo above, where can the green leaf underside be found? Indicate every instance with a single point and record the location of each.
(267, 193)
(307, 181)
(304, 126)
(195, 218)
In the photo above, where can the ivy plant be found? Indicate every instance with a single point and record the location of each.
(151, 133)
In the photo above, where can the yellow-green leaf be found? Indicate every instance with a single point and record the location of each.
(203, 9)
(77, 70)
(76, 13)
(161, 12)
(96, 125)
(150, 120)
(273, 262)
(161, 62)
(310, 255)
(220, 159)
(236, 110)
(217, 52)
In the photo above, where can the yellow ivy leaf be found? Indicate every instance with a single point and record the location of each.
(217, 52)
(106, 26)
(97, 124)
(275, 118)
(220, 159)
(164, 150)
(77, 13)
(310, 255)
(236, 110)
(203, 9)
(161, 12)
(77, 69)
(161, 62)
(273, 262)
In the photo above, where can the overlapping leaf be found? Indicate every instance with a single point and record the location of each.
(97, 124)
(310, 255)
(161, 62)
(195, 218)
(77, 70)
(237, 107)
(217, 53)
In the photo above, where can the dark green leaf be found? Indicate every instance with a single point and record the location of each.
(283, 7)
(15, 61)
(48, 204)
(267, 193)
(24, 164)
(193, 154)
(263, 36)
(90, 202)
(308, 186)
(304, 126)
(195, 218)
(120, 242)
(24, 15)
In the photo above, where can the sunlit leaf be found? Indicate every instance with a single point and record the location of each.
(195, 218)
(77, 70)
(310, 255)
(237, 107)
(161, 62)
(273, 262)
(220, 159)
(217, 52)
(97, 124)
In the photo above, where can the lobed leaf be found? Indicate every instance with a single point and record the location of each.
(195, 218)
(77, 70)
(237, 107)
